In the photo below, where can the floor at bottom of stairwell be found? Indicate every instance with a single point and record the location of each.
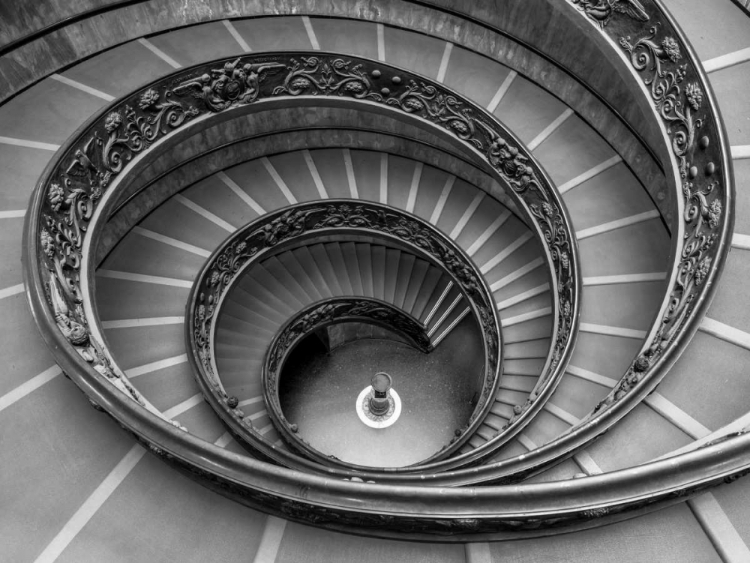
(318, 392)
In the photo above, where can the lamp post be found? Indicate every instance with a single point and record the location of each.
(378, 405)
(380, 401)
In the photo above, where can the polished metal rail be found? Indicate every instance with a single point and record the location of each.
(702, 166)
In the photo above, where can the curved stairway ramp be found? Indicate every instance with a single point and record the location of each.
(277, 288)
(228, 65)
(273, 291)
(665, 417)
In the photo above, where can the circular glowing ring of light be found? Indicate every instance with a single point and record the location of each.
(374, 423)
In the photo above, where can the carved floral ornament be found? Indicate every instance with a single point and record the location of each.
(82, 175)
(677, 94)
(602, 11)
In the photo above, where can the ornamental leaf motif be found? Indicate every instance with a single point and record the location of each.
(313, 76)
(439, 107)
(602, 11)
(677, 101)
(647, 54)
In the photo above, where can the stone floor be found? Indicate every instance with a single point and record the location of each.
(318, 393)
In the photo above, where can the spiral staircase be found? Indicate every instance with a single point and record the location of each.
(544, 197)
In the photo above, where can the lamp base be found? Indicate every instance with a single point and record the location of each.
(378, 421)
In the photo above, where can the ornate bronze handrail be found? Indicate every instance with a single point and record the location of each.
(682, 99)
(473, 513)
(307, 222)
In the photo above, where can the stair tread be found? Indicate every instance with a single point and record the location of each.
(613, 194)
(426, 291)
(366, 164)
(330, 166)
(319, 254)
(500, 240)
(349, 254)
(364, 259)
(338, 266)
(529, 349)
(484, 216)
(261, 285)
(405, 267)
(118, 299)
(214, 195)
(400, 174)
(523, 367)
(285, 281)
(378, 271)
(392, 257)
(48, 111)
(456, 205)
(139, 254)
(245, 323)
(236, 338)
(572, 149)
(138, 346)
(245, 306)
(419, 273)
(446, 307)
(293, 170)
(455, 316)
(638, 248)
(527, 108)
(310, 267)
(291, 264)
(253, 179)
(227, 351)
(175, 220)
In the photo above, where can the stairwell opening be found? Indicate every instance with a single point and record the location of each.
(319, 386)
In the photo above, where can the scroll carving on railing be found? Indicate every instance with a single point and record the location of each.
(677, 90)
(602, 11)
(257, 239)
(679, 102)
